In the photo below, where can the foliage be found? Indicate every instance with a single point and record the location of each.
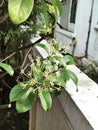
(19, 11)
(90, 69)
(45, 77)
(8, 68)
(13, 36)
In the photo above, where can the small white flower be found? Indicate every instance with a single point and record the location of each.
(46, 73)
(51, 83)
(58, 73)
(56, 67)
(38, 58)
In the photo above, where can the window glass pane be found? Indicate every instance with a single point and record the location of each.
(73, 11)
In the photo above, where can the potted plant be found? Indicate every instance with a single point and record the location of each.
(43, 78)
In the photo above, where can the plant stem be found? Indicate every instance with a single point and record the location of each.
(24, 47)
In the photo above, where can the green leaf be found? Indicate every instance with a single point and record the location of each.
(37, 73)
(18, 92)
(59, 79)
(45, 12)
(69, 59)
(19, 10)
(25, 105)
(56, 11)
(59, 5)
(43, 46)
(8, 68)
(46, 83)
(45, 99)
(72, 76)
(60, 59)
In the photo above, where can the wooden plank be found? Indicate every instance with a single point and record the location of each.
(32, 118)
(54, 119)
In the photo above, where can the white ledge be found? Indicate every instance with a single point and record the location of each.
(86, 98)
(65, 32)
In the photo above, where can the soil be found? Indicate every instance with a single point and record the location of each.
(11, 120)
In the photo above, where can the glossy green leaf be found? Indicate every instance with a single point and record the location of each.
(56, 11)
(58, 8)
(64, 76)
(25, 105)
(60, 82)
(7, 68)
(60, 59)
(58, 79)
(69, 59)
(37, 73)
(59, 5)
(72, 76)
(45, 99)
(18, 93)
(45, 12)
(19, 10)
(43, 46)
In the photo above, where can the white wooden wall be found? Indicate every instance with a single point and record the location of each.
(81, 28)
(93, 40)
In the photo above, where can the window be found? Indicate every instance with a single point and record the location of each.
(69, 15)
(73, 11)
